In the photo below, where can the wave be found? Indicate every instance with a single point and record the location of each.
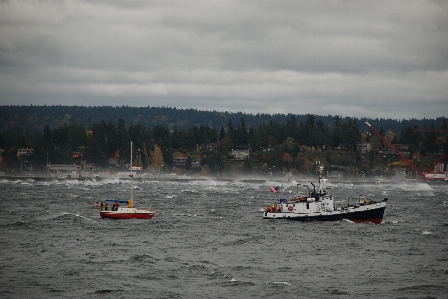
(21, 223)
(391, 221)
(281, 282)
(425, 288)
(64, 215)
(236, 282)
(86, 218)
(143, 257)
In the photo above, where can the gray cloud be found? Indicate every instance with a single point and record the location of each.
(351, 58)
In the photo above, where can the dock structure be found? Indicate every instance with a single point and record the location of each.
(68, 169)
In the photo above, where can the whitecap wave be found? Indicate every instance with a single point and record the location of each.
(281, 282)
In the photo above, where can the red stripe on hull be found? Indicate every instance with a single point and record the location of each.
(376, 221)
(126, 215)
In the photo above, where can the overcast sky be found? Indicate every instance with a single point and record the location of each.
(385, 59)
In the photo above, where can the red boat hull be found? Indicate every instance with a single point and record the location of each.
(375, 221)
(119, 215)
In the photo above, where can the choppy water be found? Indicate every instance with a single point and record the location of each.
(209, 241)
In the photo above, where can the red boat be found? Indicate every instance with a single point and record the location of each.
(116, 211)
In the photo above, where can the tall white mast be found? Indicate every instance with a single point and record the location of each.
(132, 175)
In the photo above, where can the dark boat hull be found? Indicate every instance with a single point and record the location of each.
(373, 215)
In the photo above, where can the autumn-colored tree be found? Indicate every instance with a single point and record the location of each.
(287, 160)
(158, 157)
(300, 158)
(308, 165)
(441, 141)
(390, 135)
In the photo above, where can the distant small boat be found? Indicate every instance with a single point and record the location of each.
(71, 195)
(319, 206)
(117, 211)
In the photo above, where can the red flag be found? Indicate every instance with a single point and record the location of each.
(274, 189)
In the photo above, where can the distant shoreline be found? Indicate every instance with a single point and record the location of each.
(222, 179)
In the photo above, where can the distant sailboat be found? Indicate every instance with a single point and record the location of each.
(116, 211)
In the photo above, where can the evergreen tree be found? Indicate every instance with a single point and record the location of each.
(241, 134)
(291, 128)
(231, 132)
(222, 133)
(215, 161)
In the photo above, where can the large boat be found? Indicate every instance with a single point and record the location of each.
(126, 211)
(319, 206)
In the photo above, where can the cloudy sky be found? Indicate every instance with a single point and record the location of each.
(385, 59)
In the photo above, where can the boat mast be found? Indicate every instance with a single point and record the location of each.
(319, 171)
(132, 176)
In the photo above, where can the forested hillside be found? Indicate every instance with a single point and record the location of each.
(286, 143)
(35, 118)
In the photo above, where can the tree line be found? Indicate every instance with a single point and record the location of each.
(275, 144)
(35, 118)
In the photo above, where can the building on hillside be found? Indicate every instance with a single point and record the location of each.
(81, 151)
(211, 146)
(403, 148)
(240, 153)
(195, 164)
(24, 152)
(113, 162)
(179, 160)
(343, 146)
(364, 147)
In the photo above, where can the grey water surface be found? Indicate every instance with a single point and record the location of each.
(208, 240)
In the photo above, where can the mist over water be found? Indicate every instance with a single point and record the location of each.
(208, 240)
